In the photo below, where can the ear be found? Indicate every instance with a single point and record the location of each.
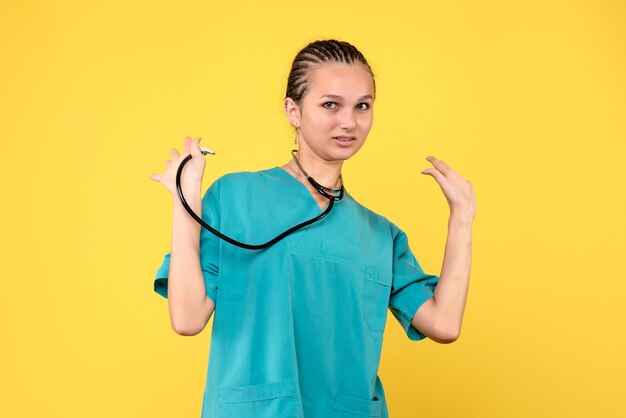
(292, 110)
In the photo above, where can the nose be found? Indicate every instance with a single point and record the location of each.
(347, 119)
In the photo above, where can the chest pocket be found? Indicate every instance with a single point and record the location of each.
(376, 291)
(269, 400)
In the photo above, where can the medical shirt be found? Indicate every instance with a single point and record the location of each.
(298, 327)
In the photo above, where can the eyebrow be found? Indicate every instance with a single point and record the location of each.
(336, 97)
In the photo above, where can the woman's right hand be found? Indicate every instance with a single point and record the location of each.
(192, 172)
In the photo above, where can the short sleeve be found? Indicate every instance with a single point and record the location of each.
(209, 248)
(410, 288)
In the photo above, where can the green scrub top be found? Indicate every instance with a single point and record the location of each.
(298, 327)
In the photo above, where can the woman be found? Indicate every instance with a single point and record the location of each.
(298, 326)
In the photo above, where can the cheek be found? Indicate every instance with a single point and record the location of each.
(366, 121)
(320, 120)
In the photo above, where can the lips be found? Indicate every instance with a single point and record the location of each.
(344, 138)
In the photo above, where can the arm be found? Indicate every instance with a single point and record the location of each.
(190, 309)
(440, 317)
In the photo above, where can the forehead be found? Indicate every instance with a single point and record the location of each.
(346, 80)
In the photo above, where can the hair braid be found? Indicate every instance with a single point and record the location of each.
(316, 53)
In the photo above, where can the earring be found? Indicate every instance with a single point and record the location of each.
(295, 140)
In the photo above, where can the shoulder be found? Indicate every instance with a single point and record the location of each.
(236, 185)
(240, 178)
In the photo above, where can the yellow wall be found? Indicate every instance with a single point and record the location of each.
(526, 99)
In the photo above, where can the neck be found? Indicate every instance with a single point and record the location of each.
(324, 172)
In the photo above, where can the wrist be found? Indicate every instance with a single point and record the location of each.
(461, 217)
(190, 189)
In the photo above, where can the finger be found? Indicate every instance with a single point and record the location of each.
(436, 174)
(156, 177)
(174, 153)
(439, 165)
(168, 162)
(187, 145)
(195, 147)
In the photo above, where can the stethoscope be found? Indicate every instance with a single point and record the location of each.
(331, 194)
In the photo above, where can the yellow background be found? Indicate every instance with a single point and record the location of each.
(526, 99)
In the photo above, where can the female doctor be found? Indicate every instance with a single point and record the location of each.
(298, 326)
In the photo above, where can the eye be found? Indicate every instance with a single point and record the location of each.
(363, 106)
(329, 103)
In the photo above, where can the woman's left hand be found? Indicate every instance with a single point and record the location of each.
(458, 191)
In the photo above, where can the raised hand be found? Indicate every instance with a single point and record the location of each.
(458, 191)
(192, 172)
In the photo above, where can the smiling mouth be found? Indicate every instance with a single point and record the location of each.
(344, 138)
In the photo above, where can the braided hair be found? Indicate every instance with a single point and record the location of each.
(316, 53)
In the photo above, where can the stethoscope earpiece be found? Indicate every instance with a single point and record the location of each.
(207, 151)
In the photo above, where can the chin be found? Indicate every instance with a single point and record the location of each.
(344, 154)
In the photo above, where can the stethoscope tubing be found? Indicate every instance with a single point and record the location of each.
(230, 240)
